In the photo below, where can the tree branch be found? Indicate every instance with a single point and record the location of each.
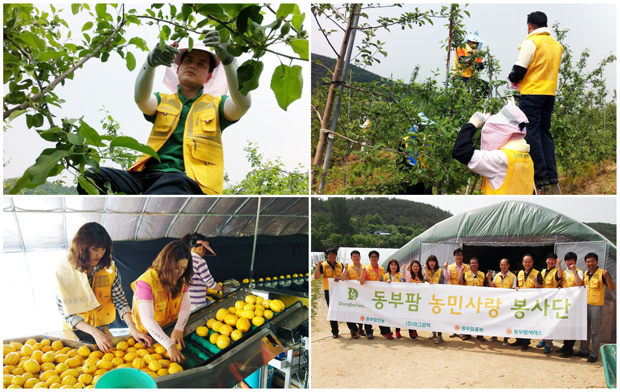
(284, 55)
(169, 22)
(62, 77)
(317, 113)
(325, 35)
(327, 131)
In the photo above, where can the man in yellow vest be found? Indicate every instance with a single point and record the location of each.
(573, 277)
(187, 125)
(528, 278)
(353, 272)
(451, 272)
(552, 278)
(473, 277)
(467, 60)
(503, 158)
(372, 272)
(330, 269)
(595, 280)
(505, 280)
(535, 74)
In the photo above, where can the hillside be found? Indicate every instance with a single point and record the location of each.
(359, 75)
(47, 188)
(606, 229)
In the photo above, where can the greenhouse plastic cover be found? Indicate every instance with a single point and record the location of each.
(34, 223)
(508, 223)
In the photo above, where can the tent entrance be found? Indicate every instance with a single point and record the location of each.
(490, 256)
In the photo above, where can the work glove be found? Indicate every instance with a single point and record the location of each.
(212, 39)
(514, 86)
(478, 119)
(156, 57)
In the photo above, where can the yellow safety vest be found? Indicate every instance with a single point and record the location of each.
(387, 277)
(166, 309)
(470, 280)
(435, 276)
(372, 275)
(454, 272)
(352, 274)
(328, 272)
(570, 282)
(529, 284)
(519, 176)
(596, 288)
(466, 71)
(506, 283)
(203, 154)
(105, 313)
(549, 281)
(541, 77)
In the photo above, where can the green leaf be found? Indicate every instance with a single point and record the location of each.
(52, 54)
(298, 20)
(131, 143)
(287, 83)
(248, 75)
(87, 184)
(37, 120)
(100, 10)
(75, 138)
(9, 58)
(92, 137)
(15, 114)
(75, 8)
(252, 12)
(208, 9)
(37, 174)
(32, 40)
(186, 10)
(284, 10)
(131, 61)
(139, 42)
(190, 44)
(300, 46)
(87, 26)
(162, 44)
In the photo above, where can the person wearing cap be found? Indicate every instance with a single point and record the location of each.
(503, 158)
(187, 124)
(408, 162)
(202, 278)
(466, 61)
(535, 75)
(329, 269)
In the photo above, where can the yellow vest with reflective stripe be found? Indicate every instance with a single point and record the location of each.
(166, 309)
(541, 77)
(203, 154)
(352, 274)
(328, 272)
(470, 280)
(570, 282)
(434, 276)
(387, 277)
(454, 272)
(529, 284)
(105, 313)
(506, 283)
(549, 280)
(596, 288)
(519, 176)
(372, 275)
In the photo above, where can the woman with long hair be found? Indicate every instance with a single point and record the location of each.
(89, 290)
(415, 276)
(433, 275)
(161, 295)
(393, 275)
(202, 278)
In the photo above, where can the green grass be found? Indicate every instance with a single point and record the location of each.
(315, 290)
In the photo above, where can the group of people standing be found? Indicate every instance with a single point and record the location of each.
(595, 280)
(89, 291)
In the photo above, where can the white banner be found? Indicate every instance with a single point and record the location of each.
(531, 313)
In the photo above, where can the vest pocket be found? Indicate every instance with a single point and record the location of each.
(166, 115)
(206, 160)
(205, 122)
(160, 312)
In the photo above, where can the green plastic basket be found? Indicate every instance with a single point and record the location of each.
(608, 352)
(126, 378)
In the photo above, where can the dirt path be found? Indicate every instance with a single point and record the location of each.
(405, 363)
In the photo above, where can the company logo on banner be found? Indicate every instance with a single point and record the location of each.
(527, 313)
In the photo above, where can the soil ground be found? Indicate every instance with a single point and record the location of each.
(406, 363)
